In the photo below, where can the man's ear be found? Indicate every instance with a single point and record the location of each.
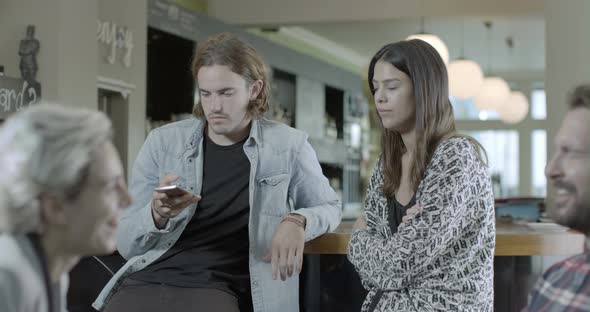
(52, 210)
(255, 89)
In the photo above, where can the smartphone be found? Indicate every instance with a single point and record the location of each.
(171, 190)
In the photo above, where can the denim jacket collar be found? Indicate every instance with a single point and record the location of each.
(199, 131)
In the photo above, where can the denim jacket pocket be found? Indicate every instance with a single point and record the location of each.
(272, 194)
(272, 179)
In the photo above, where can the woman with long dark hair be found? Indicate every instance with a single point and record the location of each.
(426, 240)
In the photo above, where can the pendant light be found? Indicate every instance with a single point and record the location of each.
(494, 91)
(433, 40)
(465, 76)
(515, 109)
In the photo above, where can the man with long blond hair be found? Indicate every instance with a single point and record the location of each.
(252, 193)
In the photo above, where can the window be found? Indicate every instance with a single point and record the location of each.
(538, 104)
(466, 110)
(502, 150)
(539, 155)
(512, 174)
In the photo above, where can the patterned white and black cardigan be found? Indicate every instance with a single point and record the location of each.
(442, 260)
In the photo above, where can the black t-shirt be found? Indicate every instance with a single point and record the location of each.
(397, 211)
(212, 252)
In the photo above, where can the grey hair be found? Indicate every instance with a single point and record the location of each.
(46, 149)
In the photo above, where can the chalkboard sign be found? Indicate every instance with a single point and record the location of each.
(16, 94)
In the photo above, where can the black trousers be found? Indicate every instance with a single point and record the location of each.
(138, 296)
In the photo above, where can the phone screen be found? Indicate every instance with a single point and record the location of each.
(171, 190)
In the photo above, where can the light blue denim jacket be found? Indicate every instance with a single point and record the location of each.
(285, 176)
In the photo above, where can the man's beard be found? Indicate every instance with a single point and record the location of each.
(578, 219)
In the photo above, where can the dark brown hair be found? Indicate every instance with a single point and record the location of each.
(580, 97)
(226, 49)
(434, 113)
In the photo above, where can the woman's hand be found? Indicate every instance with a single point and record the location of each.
(412, 213)
(360, 223)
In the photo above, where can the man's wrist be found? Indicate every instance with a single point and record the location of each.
(159, 220)
(297, 219)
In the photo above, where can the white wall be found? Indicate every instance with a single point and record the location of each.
(69, 59)
(76, 49)
(67, 69)
(135, 18)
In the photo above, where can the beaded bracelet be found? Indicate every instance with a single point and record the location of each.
(294, 220)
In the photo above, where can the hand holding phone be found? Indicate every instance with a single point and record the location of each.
(169, 200)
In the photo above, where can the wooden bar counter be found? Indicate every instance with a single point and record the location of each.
(511, 240)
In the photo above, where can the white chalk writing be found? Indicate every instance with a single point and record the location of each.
(115, 37)
(13, 100)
